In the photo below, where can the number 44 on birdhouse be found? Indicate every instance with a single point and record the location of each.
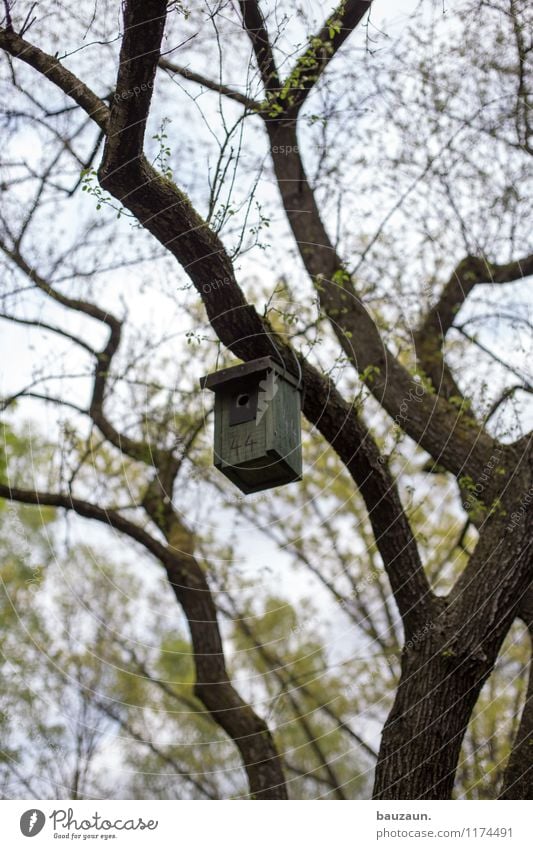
(257, 424)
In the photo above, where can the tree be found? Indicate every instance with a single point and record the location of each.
(123, 683)
(451, 641)
(123, 686)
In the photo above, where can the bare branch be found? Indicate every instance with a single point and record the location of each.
(136, 449)
(255, 25)
(178, 769)
(289, 684)
(52, 68)
(469, 273)
(107, 515)
(9, 20)
(213, 686)
(42, 325)
(49, 399)
(506, 394)
(248, 102)
(506, 366)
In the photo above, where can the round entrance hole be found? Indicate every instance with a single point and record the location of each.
(242, 400)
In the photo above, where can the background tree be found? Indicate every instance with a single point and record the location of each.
(97, 697)
(366, 314)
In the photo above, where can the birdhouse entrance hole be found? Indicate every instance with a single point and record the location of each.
(244, 407)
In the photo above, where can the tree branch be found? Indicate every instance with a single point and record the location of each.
(528, 387)
(322, 48)
(178, 769)
(107, 515)
(287, 681)
(430, 336)
(453, 439)
(255, 25)
(49, 399)
(248, 102)
(506, 394)
(42, 325)
(52, 69)
(168, 214)
(213, 687)
(137, 450)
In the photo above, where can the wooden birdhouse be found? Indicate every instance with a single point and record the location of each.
(257, 424)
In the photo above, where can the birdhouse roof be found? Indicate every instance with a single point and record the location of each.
(235, 376)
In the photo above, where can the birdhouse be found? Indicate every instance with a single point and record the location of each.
(257, 424)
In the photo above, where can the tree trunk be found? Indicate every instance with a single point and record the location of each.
(446, 663)
(518, 778)
(424, 732)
